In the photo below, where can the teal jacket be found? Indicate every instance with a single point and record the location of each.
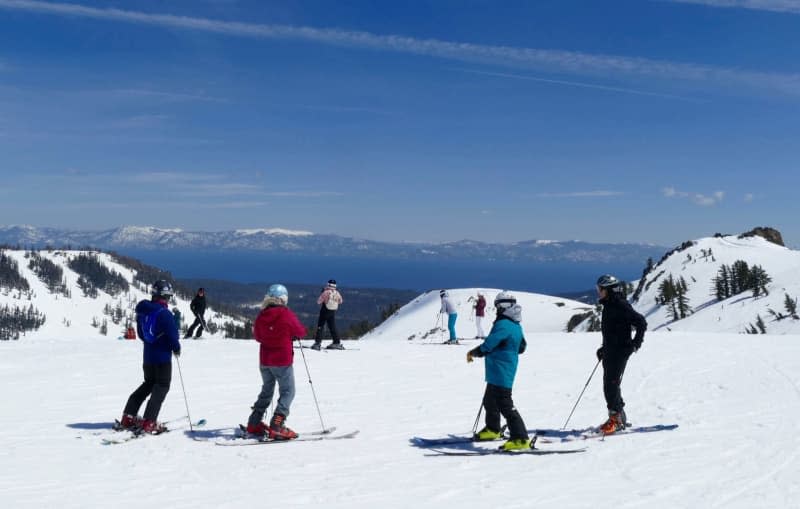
(501, 350)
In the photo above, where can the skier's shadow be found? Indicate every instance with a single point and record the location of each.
(560, 433)
(91, 426)
(204, 434)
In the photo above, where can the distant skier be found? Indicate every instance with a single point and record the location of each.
(177, 314)
(198, 307)
(275, 328)
(452, 315)
(329, 300)
(617, 319)
(501, 349)
(156, 328)
(480, 312)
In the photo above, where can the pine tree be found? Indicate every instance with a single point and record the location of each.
(791, 306)
(760, 324)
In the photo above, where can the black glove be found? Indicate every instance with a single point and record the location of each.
(600, 354)
(637, 343)
(523, 345)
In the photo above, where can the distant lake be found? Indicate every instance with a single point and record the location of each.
(256, 267)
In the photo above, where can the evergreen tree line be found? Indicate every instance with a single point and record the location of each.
(738, 278)
(16, 320)
(10, 276)
(94, 276)
(672, 293)
(51, 274)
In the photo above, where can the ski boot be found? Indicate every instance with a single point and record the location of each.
(614, 423)
(317, 345)
(128, 422)
(516, 444)
(259, 430)
(277, 429)
(486, 435)
(335, 346)
(152, 427)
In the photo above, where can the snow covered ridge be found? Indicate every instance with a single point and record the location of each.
(419, 320)
(696, 267)
(70, 313)
(282, 241)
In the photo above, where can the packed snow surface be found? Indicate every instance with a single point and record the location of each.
(735, 398)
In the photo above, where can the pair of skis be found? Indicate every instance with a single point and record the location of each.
(126, 435)
(243, 438)
(460, 445)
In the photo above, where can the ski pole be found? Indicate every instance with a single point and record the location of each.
(581, 395)
(477, 419)
(313, 393)
(186, 401)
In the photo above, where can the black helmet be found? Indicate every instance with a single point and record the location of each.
(607, 281)
(161, 288)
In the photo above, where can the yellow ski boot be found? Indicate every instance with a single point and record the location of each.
(516, 444)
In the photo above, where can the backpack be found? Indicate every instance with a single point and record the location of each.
(333, 300)
(148, 326)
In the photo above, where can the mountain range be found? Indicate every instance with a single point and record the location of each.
(281, 241)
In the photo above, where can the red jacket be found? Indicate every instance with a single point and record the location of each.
(274, 329)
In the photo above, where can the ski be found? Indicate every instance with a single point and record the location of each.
(304, 437)
(487, 452)
(453, 440)
(554, 436)
(133, 435)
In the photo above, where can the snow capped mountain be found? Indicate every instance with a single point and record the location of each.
(70, 313)
(278, 240)
(419, 320)
(698, 263)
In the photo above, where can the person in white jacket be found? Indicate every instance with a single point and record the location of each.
(329, 301)
(450, 310)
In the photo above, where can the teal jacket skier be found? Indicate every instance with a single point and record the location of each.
(501, 350)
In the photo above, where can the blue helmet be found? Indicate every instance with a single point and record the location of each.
(278, 291)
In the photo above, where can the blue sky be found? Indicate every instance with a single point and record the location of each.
(626, 121)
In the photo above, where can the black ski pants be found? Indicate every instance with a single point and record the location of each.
(326, 316)
(157, 378)
(614, 362)
(197, 321)
(497, 401)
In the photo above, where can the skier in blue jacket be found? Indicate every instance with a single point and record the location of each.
(157, 330)
(501, 350)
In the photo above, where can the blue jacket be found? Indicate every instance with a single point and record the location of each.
(167, 335)
(502, 348)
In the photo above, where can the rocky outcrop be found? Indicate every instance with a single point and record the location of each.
(771, 234)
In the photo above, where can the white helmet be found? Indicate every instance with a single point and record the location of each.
(504, 300)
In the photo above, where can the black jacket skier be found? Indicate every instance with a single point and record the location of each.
(617, 320)
(198, 307)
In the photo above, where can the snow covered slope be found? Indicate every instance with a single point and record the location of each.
(735, 398)
(73, 316)
(699, 263)
(419, 320)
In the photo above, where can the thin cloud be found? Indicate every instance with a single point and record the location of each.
(697, 198)
(749, 197)
(790, 6)
(524, 58)
(594, 86)
(581, 194)
(164, 95)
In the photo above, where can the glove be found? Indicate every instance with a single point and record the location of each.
(600, 354)
(176, 353)
(469, 357)
(637, 343)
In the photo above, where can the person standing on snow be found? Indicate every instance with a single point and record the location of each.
(329, 300)
(450, 310)
(198, 307)
(156, 327)
(617, 319)
(274, 329)
(501, 350)
(480, 312)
